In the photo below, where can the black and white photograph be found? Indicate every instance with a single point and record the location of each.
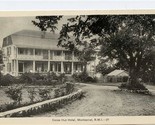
(77, 65)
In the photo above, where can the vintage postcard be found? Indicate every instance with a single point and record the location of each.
(77, 67)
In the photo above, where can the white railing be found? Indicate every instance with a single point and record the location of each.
(40, 57)
(26, 57)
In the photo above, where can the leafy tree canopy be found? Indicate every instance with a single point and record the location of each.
(1, 57)
(127, 39)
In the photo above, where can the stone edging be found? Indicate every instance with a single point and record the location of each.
(38, 107)
(146, 92)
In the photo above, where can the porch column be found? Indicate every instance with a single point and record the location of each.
(17, 52)
(53, 67)
(12, 70)
(34, 53)
(34, 65)
(48, 68)
(62, 67)
(16, 67)
(72, 68)
(53, 55)
(49, 55)
(62, 55)
(72, 55)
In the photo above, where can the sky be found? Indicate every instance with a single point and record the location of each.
(9, 25)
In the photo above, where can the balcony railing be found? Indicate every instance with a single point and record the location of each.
(41, 57)
(26, 57)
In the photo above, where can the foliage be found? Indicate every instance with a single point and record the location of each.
(69, 87)
(62, 78)
(105, 68)
(127, 40)
(8, 80)
(83, 77)
(138, 88)
(64, 89)
(86, 52)
(57, 92)
(38, 79)
(91, 79)
(1, 57)
(31, 93)
(148, 72)
(51, 76)
(30, 77)
(44, 93)
(1, 62)
(46, 22)
(15, 93)
(8, 106)
(80, 77)
(131, 44)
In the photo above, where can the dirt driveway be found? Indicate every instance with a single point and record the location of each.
(105, 101)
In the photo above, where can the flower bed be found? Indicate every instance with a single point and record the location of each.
(30, 95)
(137, 88)
(47, 105)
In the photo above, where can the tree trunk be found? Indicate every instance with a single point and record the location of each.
(134, 77)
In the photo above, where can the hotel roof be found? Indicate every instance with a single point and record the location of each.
(33, 39)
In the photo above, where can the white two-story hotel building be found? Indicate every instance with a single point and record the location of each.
(37, 52)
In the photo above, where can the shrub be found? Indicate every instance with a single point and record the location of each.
(8, 106)
(15, 93)
(83, 77)
(27, 78)
(60, 91)
(51, 76)
(62, 78)
(137, 86)
(31, 94)
(91, 79)
(49, 79)
(69, 87)
(80, 77)
(31, 77)
(65, 89)
(8, 80)
(44, 93)
(57, 92)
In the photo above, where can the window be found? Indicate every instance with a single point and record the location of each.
(20, 51)
(51, 67)
(68, 55)
(45, 54)
(24, 51)
(20, 67)
(58, 67)
(30, 51)
(38, 52)
(51, 54)
(57, 53)
(8, 51)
